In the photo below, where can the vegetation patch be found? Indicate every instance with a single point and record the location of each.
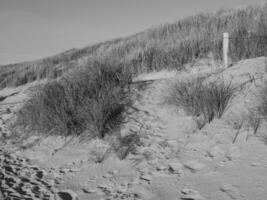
(92, 100)
(263, 103)
(199, 97)
(166, 46)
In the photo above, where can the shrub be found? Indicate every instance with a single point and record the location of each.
(92, 98)
(198, 97)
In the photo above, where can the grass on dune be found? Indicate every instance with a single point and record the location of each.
(199, 97)
(92, 100)
(263, 102)
(166, 46)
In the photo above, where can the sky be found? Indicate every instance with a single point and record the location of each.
(33, 29)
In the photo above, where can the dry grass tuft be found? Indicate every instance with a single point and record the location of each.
(91, 100)
(199, 97)
(126, 145)
(263, 103)
(254, 121)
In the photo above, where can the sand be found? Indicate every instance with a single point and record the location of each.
(175, 160)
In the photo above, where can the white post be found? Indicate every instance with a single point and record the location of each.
(225, 49)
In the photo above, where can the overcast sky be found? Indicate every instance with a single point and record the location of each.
(31, 29)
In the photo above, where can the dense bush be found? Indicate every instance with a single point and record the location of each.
(199, 97)
(93, 98)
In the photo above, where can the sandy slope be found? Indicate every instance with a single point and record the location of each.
(175, 160)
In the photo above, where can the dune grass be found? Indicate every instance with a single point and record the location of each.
(166, 46)
(199, 97)
(262, 110)
(90, 100)
(263, 102)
